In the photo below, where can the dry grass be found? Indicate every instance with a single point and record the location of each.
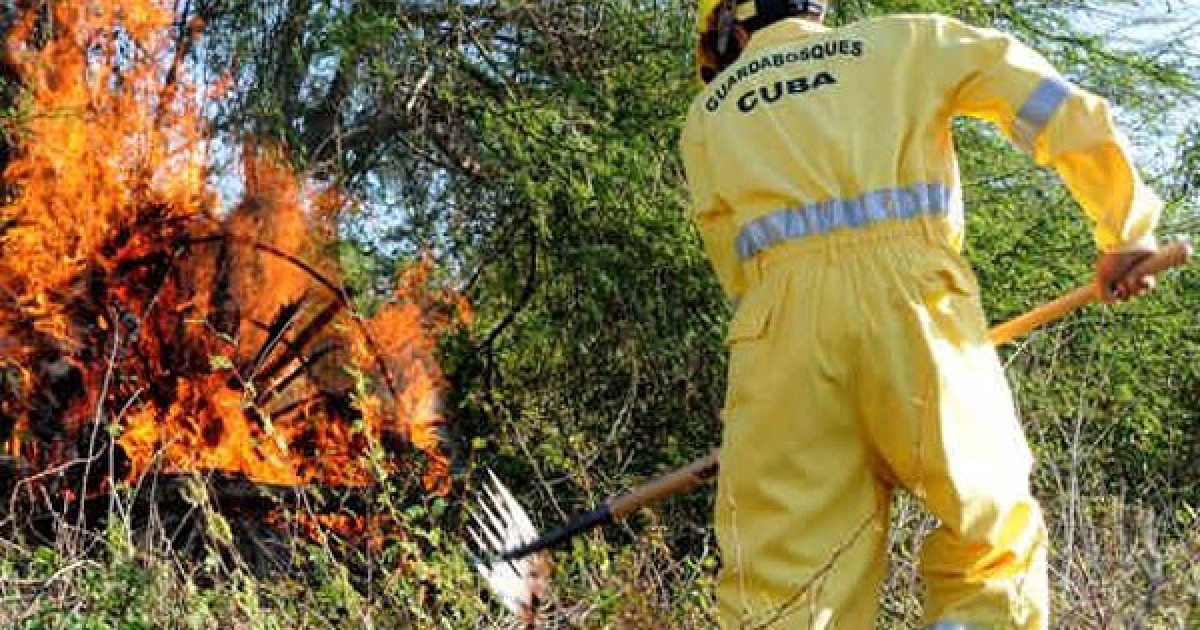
(1121, 566)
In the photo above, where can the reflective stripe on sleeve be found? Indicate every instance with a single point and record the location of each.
(1037, 111)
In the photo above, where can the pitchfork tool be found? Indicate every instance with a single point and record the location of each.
(507, 535)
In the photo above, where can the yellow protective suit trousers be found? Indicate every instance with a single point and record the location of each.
(859, 362)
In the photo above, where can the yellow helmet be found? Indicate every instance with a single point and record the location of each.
(704, 9)
(715, 20)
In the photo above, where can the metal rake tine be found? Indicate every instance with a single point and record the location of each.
(498, 520)
(482, 520)
(519, 523)
(480, 544)
(490, 527)
(492, 552)
(492, 564)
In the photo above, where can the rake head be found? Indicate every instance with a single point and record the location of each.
(498, 525)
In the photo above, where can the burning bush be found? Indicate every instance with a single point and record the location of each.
(144, 328)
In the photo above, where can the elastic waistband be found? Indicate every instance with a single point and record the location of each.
(886, 205)
(885, 236)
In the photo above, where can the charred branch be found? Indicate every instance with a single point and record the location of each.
(305, 365)
(285, 318)
(294, 350)
(236, 493)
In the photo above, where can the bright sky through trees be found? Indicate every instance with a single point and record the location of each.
(1162, 29)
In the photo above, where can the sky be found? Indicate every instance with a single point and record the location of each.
(1162, 27)
(1152, 22)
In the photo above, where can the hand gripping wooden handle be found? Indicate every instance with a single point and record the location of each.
(1173, 254)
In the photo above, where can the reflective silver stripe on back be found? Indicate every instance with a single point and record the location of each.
(1037, 110)
(929, 199)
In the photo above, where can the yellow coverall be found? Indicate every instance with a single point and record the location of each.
(826, 190)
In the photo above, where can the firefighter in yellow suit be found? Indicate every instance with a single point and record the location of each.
(825, 187)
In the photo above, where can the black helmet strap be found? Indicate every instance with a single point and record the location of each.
(771, 11)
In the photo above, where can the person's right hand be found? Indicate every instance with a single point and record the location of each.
(1116, 278)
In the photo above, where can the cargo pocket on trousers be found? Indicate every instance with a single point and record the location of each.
(747, 340)
(951, 296)
(750, 321)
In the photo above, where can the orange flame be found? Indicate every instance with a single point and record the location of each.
(212, 342)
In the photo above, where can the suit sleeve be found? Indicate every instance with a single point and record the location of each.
(996, 78)
(713, 217)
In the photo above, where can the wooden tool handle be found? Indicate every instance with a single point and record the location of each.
(1174, 254)
(1170, 255)
(670, 484)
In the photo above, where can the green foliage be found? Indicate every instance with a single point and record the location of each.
(600, 332)
(114, 597)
